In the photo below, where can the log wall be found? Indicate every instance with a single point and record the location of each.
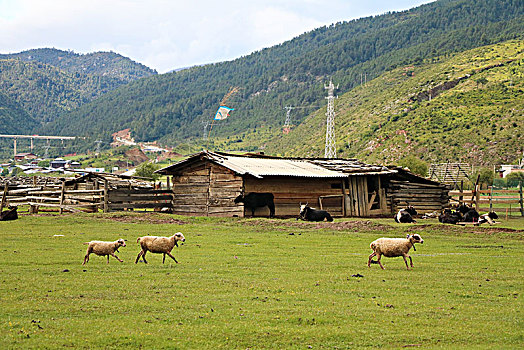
(205, 189)
(424, 197)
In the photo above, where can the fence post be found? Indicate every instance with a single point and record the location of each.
(4, 197)
(461, 197)
(106, 196)
(491, 199)
(521, 202)
(62, 195)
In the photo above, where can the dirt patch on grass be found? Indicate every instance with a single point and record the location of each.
(146, 218)
(358, 225)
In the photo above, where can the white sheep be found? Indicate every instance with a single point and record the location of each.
(156, 244)
(103, 248)
(393, 247)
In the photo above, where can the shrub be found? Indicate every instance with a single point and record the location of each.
(415, 165)
(147, 169)
(513, 179)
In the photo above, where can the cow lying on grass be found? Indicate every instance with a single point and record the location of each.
(310, 214)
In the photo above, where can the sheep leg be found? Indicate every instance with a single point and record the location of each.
(406, 262)
(116, 257)
(371, 257)
(171, 256)
(138, 257)
(86, 259)
(164, 258)
(378, 260)
(410, 261)
(141, 254)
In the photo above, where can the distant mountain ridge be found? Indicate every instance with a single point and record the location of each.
(108, 64)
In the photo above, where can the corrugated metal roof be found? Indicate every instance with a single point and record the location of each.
(260, 167)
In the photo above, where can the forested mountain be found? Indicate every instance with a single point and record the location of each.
(107, 64)
(48, 82)
(465, 108)
(172, 107)
(14, 118)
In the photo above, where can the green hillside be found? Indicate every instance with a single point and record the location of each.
(172, 107)
(48, 82)
(13, 118)
(475, 113)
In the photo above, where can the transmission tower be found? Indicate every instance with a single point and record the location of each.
(287, 124)
(330, 151)
(206, 125)
(98, 143)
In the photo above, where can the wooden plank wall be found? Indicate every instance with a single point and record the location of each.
(224, 187)
(205, 189)
(126, 198)
(191, 191)
(289, 192)
(357, 196)
(424, 197)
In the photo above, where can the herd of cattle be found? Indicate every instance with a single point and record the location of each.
(461, 214)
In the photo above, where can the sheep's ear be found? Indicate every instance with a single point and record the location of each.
(408, 236)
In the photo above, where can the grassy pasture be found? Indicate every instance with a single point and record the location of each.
(258, 283)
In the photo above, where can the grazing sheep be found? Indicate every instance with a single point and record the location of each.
(104, 248)
(406, 215)
(156, 244)
(393, 247)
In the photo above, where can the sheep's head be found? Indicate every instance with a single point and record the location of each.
(121, 242)
(179, 237)
(415, 238)
(239, 199)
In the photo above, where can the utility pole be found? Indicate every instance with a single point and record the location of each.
(330, 151)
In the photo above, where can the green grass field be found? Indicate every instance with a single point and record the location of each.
(258, 284)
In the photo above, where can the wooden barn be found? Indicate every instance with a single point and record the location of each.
(206, 184)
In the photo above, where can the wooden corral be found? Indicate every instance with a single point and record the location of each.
(207, 184)
(89, 193)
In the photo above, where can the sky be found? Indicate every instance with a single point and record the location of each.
(172, 34)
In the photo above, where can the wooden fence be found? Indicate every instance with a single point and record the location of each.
(125, 198)
(501, 201)
(60, 198)
(52, 198)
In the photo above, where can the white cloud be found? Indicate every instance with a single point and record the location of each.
(165, 34)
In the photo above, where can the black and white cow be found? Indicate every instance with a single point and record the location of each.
(406, 215)
(256, 200)
(310, 214)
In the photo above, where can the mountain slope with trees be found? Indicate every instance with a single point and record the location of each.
(172, 107)
(466, 108)
(48, 82)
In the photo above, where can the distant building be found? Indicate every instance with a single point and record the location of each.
(58, 163)
(24, 156)
(506, 169)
